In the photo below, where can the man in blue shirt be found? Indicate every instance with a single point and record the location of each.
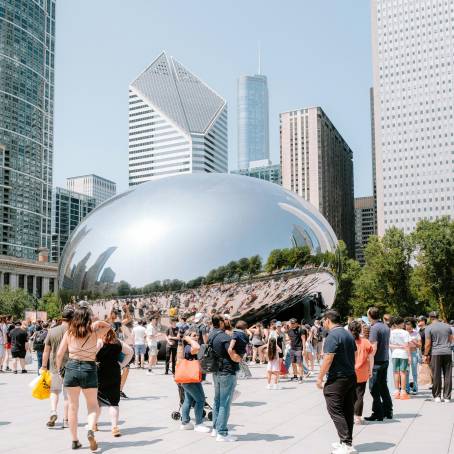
(340, 387)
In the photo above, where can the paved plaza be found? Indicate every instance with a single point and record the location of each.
(292, 420)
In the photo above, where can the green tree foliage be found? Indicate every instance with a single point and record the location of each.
(124, 288)
(243, 267)
(254, 265)
(51, 305)
(434, 281)
(14, 301)
(276, 260)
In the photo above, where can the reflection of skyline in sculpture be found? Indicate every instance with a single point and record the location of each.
(181, 227)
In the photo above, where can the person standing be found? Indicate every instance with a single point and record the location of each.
(340, 387)
(38, 338)
(19, 345)
(3, 340)
(297, 338)
(127, 325)
(382, 406)
(152, 333)
(438, 355)
(51, 346)
(139, 333)
(414, 346)
(171, 347)
(399, 343)
(224, 379)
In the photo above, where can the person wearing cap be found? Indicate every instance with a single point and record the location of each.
(51, 345)
(438, 355)
(201, 328)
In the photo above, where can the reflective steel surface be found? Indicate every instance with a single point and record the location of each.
(184, 226)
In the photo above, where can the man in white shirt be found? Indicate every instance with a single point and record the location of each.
(399, 344)
(152, 333)
(139, 333)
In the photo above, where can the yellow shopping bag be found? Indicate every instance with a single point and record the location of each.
(42, 387)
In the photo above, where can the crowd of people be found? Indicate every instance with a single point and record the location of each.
(92, 356)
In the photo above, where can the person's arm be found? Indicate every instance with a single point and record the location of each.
(324, 368)
(234, 356)
(128, 352)
(427, 347)
(371, 364)
(100, 327)
(46, 354)
(61, 351)
(195, 346)
(303, 340)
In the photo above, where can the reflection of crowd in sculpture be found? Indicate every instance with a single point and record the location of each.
(234, 299)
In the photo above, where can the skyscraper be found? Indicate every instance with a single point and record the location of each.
(413, 63)
(27, 46)
(253, 121)
(317, 164)
(95, 186)
(364, 224)
(69, 208)
(177, 124)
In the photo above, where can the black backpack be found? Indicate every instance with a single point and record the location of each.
(209, 359)
(38, 343)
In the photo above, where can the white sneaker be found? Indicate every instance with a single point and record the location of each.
(201, 428)
(437, 400)
(344, 449)
(268, 386)
(335, 445)
(188, 426)
(213, 433)
(446, 401)
(276, 387)
(226, 438)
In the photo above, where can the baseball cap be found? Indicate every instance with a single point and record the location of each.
(293, 320)
(198, 317)
(433, 314)
(422, 318)
(278, 323)
(68, 313)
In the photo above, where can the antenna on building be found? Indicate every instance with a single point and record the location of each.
(260, 58)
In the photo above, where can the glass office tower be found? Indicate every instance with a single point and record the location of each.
(27, 46)
(253, 123)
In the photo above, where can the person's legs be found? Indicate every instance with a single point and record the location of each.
(124, 377)
(216, 399)
(187, 404)
(168, 354)
(268, 377)
(293, 360)
(349, 399)
(447, 376)
(114, 415)
(435, 365)
(39, 358)
(227, 387)
(91, 397)
(22, 363)
(197, 395)
(386, 401)
(73, 409)
(359, 400)
(14, 366)
(334, 396)
(254, 354)
(174, 359)
(374, 389)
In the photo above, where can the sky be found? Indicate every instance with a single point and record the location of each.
(314, 53)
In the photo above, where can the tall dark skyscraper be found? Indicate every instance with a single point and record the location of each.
(27, 49)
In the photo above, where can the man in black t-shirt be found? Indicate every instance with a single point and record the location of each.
(297, 336)
(340, 387)
(171, 347)
(19, 345)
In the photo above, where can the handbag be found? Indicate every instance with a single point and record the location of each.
(187, 371)
(425, 375)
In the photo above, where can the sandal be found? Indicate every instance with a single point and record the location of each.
(92, 441)
(52, 420)
(116, 431)
(76, 445)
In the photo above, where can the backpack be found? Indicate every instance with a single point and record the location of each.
(209, 359)
(38, 343)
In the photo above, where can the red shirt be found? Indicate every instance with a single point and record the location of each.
(362, 367)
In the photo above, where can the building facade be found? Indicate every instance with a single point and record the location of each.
(365, 224)
(253, 120)
(263, 170)
(413, 63)
(94, 186)
(69, 208)
(317, 164)
(177, 124)
(27, 47)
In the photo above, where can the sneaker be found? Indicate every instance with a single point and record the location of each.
(226, 438)
(14, 371)
(188, 426)
(437, 400)
(294, 378)
(276, 387)
(300, 380)
(92, 441)
(123, 395)
(344, 449)
(201, 428)
(116, 431)
(446, 401)
(65, 424)
(24, 371)
(52, 420)
(268, 386)
(213, 433)
(373, 417)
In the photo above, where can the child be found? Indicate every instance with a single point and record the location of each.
(399, 345)
(273, 367)
(238, 344)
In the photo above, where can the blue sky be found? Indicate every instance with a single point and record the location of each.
(314, 52)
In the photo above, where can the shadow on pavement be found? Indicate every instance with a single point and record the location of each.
(378, 446)
(143, 398)
(248, 403)
(138, 430)
(127, 444)
(406, 415)
(4, 423)
(263, 437)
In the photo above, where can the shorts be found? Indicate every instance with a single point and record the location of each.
(309, 348)
(139, 349)
(81, 373)
(18, 354)
(400, 365)
(153, 349)
(273, 365)
(56, 385)
(296, 356)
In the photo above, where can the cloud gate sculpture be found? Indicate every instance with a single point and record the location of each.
(205, 241)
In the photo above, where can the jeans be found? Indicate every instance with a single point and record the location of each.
(224, 385)
(413, 360)
(171, 352)
(193, 396)
(378, 386)
(340, 396)
(39, 357)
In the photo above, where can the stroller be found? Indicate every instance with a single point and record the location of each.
(176, 415)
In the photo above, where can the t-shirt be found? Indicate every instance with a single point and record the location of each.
(18, 339)
(202, 329)
(150, 332)
(187, 353)
(53, 340)
(414, 337)
(342, 344)
(295, 337)
(379, 333)
(241, 340)
(173, 332)
(439, 333)
(221, 341)
(362, 367)
(139, 335)
(399, 337)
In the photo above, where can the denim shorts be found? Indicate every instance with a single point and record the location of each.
(139, 349)
(400, 364)
(81, 373)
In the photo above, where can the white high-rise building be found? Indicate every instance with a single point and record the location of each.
(101, 189)
(177, 124)
(413, 63)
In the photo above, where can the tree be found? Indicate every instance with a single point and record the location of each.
(434, 281)
(255, 265)
(124, 288)
(231, 270)
(243, 267)
(276, 261)
(51, 305)
(14, 301)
